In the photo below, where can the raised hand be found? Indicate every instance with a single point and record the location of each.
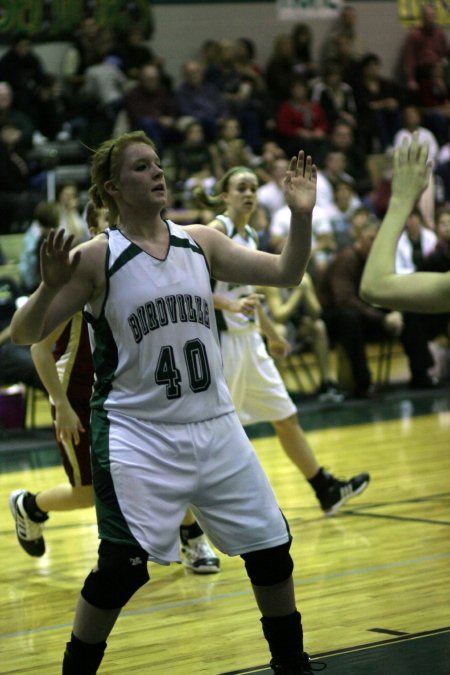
(411, 170)
(56, 266)
(299, 184)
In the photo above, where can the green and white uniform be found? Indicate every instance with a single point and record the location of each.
(164, 430)
(254, 381)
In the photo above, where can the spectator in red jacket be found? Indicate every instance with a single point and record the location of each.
(301, 123)
(423, 46)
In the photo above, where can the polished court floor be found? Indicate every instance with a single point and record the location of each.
(373, 583)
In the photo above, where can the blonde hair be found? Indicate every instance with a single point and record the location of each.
(221, 186)
(106, 164)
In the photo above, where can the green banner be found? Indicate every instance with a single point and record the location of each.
(58, 20)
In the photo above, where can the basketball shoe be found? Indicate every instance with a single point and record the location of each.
(199, 557)
(28, 531)
(340, 491)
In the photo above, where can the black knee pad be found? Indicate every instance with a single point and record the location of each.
(121, 571)
(270, 566)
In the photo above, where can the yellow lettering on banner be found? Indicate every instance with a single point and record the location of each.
(409, 12)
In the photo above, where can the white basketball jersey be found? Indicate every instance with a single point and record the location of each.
(231, 320)
(155, 345)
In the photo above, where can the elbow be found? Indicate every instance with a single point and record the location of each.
(369, 293)
(18, 335)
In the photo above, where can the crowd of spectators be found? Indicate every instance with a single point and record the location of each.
(228, 109)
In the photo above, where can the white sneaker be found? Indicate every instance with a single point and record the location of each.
(29, 533)
(199, 557)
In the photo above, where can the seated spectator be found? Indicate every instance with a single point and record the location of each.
(361, 216)
(335, 96)
(18, 196)
(323, 242)
(379, 101)
(36, 92)
(415, 243)
(332, 173)
(351, 322)
(271, 195)
(433, 99)
(152, 107)
(423, 46)
(339, 212)
(201, 100)
(194, 163)
(16, 118)
(296, 313)
(102, 92)
(245, 60)
(438, 260)
(342, 139)
(16, 364)
(230, 149)
(262, 163)
(46, 218)
(301, 123)
(412, 123)
(68, 202)
(378, 199)
(260, 222)
(344, 28)
(302, 37)
(134, 53)
(280, 70)
(242, 92)
(85, 50)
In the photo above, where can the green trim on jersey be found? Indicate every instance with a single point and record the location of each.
(105, 358)
(131, 252)
(112, 526)
(184, 243)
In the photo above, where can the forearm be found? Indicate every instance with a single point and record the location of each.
(282, 311)
(381, 261)
(266, 325)
(222, 302)
(32, 322)
(296, 252)
(45, 365)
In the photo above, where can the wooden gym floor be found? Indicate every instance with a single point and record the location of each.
(373, 584)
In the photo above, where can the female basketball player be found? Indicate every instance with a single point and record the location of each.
(255, 384)
(164, 430)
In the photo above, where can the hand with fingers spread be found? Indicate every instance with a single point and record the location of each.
(57, 266)
(299, 184)
(412, 170)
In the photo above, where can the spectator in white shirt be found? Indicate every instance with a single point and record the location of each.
(412, 124)
(415, 243)
(271, 194)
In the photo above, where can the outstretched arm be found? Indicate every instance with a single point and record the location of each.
(231, 262)
(420, 291)
(70, 278)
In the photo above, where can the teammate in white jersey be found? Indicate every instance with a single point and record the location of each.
(164, 431)
(255, 384)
